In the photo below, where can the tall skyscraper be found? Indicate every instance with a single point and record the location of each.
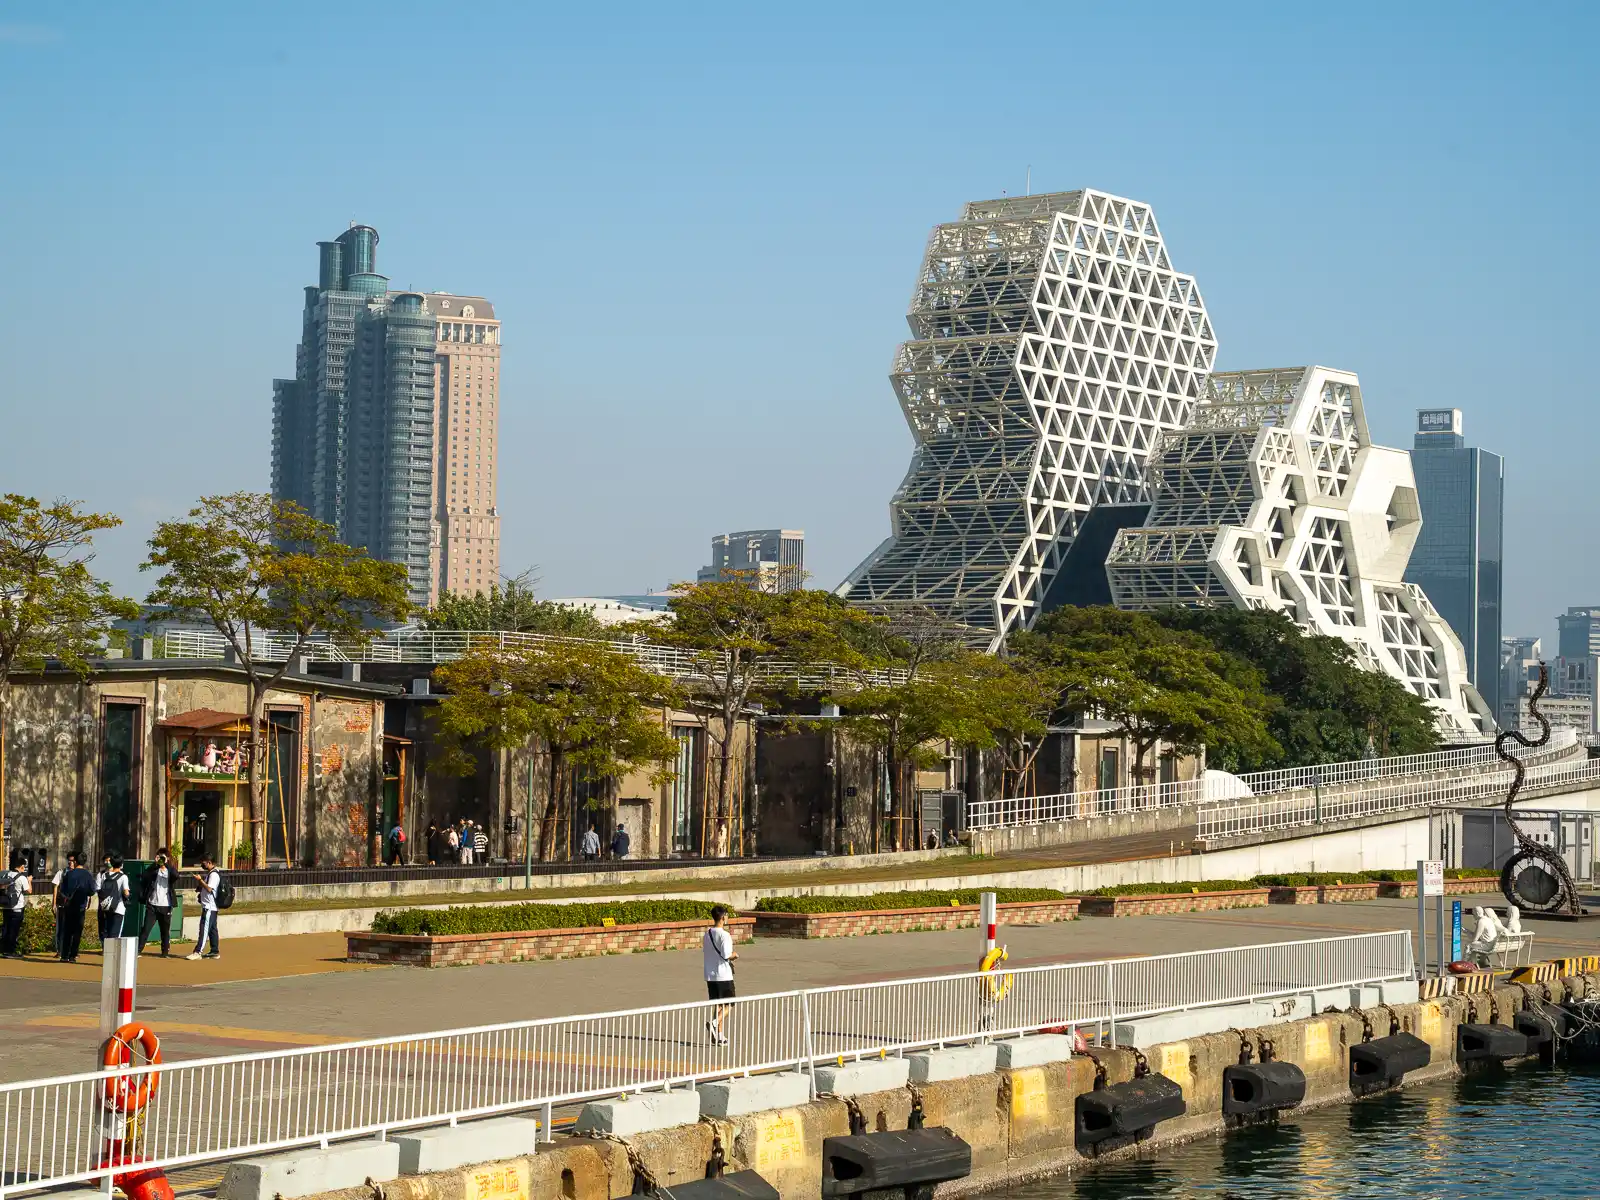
(467, 440)
(387, 430)
(771, 559)
(1457, 559)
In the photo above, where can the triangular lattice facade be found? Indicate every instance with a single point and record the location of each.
(1273, 496)
(1053, 344)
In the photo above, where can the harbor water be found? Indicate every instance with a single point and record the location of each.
(1522, 1131)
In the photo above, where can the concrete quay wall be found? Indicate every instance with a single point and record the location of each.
(1019, 1122)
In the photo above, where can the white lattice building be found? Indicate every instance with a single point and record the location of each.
(1052, 343)
(1273, 496)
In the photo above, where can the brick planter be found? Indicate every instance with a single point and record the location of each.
(1295, 895)
(1176, 902)
(458, 949)
(1339, 893)
(1452, 887)
(907, 920)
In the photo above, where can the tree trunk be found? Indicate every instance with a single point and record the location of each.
(891, 763)
(257, 802)
(721, 830)
(553, 797)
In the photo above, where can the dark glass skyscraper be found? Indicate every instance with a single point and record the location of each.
(353, 431)
(1457, 560)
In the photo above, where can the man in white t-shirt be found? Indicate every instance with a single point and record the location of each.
(207, 883)
(717, 953)
(112, 898)
(16, 879)
(156, 890)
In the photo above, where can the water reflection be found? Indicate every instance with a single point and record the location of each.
(1500, 1133)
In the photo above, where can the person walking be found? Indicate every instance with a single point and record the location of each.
(207, 883)
(619, 842)
(156, 889)
(73, 896)
(480, 844)
(717, 954)
(113, 899)
(397, 846)
(430, 843)
(15, 887)
(590, 846)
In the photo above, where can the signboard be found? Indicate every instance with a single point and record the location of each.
(1439, 420)
(1455, 931)
(1430, 877)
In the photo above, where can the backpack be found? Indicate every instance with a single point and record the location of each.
(110, 892)
(10, 892)
(224, 891)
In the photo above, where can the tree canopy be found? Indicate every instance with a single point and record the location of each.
(52, 607)
(1326, 706)
(1151, 683)
(513, 608)
(592, 705)
(250, 565)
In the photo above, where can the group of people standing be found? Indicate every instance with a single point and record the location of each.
(465, 842)
(74, 890)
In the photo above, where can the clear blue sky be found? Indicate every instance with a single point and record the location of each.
(701, 226)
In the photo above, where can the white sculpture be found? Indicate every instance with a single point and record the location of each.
(1485, 937)
(1513, 919)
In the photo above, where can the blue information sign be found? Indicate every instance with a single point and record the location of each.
(1455, 931)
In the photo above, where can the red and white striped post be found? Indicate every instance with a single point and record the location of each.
(119, 968)
(988, 917)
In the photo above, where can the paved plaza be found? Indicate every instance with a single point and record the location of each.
(270, 993)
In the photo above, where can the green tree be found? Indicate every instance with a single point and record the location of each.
(915, 685)
(1328, 708)
(269, 578)
(510, 609)
(592, 705)
(51, 605)
(1151, 683)
(742, 640)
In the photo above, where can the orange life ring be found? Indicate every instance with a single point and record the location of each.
(122, 1093)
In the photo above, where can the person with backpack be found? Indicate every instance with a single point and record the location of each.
(113, 897)
(717, 953)
(397, 847)
(210, 884)
(15, 886)
(99, 878)
(619, 843)
(155, 893)
(73, 895)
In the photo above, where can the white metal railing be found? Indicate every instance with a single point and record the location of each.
(54, 1131)
(435, 646)
(1067, 806)
(1262, 814)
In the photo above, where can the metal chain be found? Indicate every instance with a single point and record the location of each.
(1567, 891)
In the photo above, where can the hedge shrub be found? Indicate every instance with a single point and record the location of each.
(39, 930)
(1174, 888)
(1312, 878)
(518, 918)
(892, 900)
(1410, 875)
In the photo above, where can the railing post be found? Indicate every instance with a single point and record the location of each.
(806, 1046)
(1111, 1000)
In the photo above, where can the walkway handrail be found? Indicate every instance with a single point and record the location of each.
(54, 1131)
(1067, 806)
(1263, 814)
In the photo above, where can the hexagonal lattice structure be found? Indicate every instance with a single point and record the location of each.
(1052, 344)
(1273, 496)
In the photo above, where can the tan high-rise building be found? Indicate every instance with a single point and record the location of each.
(466, 537)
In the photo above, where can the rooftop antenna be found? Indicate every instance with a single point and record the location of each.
(1030, 180)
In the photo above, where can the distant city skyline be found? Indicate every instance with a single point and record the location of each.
(707, 295)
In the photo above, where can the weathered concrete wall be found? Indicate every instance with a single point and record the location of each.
(1019, 1123)
(1179, 822)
